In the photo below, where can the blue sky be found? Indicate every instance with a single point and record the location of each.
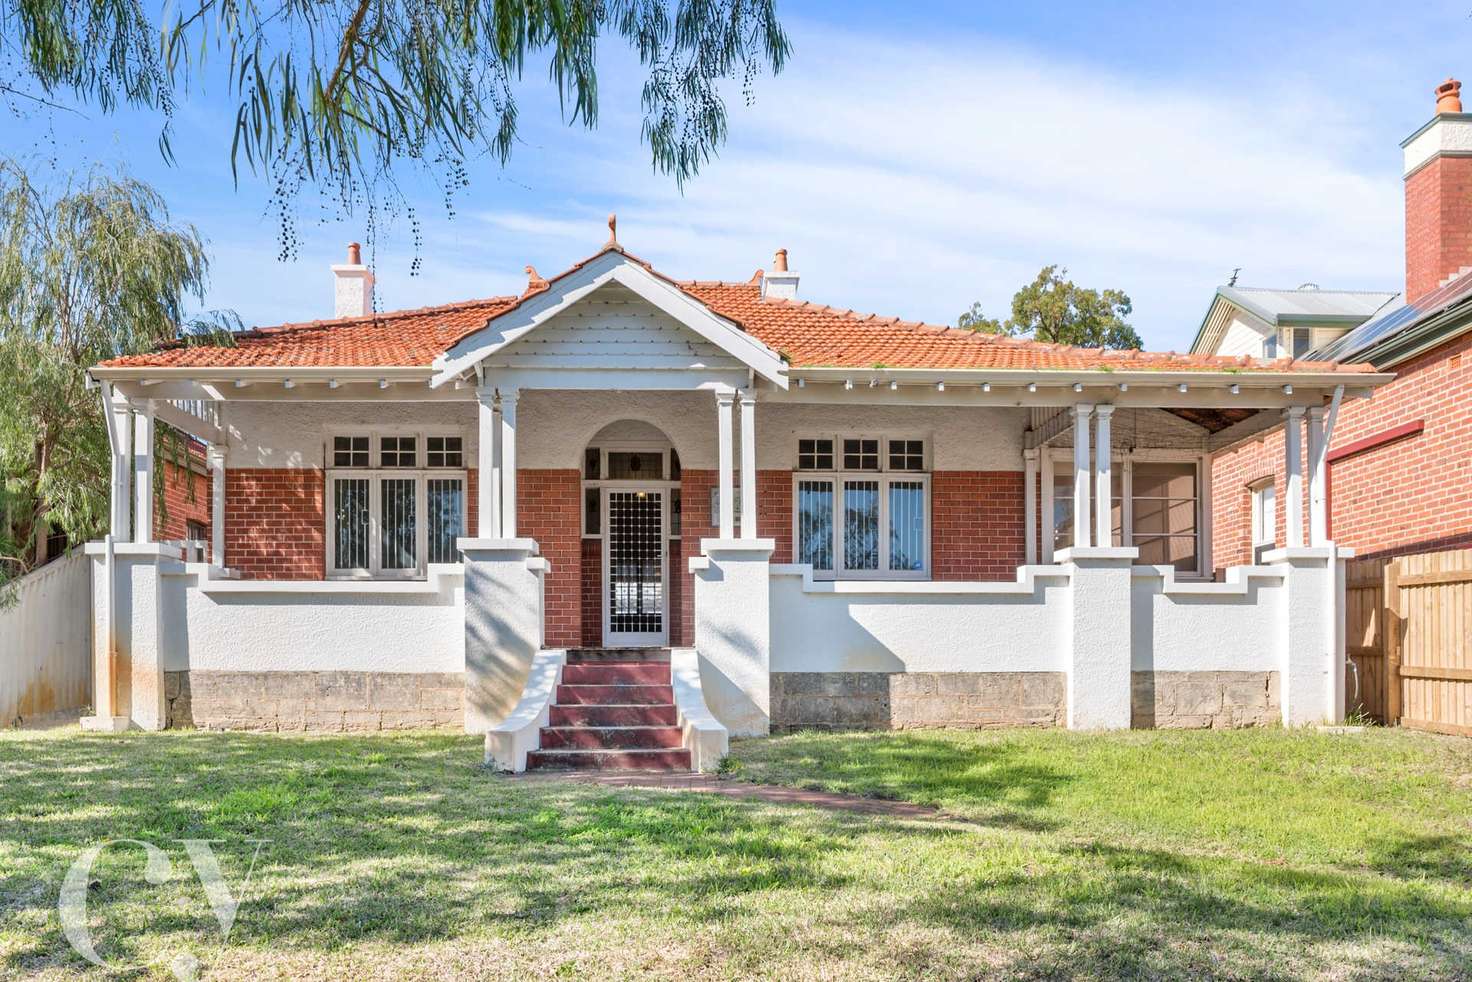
(912, 159)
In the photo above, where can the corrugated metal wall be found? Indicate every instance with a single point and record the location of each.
(46, 641)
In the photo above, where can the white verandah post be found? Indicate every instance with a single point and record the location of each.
(1081, 413)
(508, 464)
(1293, 471)
(215, 456)
(488, 486)
(1030, 505)
(1318, 452)
(748, 465)
(725, 492)
(143, 472)
(1103, 488)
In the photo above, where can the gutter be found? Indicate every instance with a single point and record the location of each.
(1147, 377)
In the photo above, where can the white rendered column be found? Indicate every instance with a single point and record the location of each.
(1081, 413)
(748, 466)
(143, 471)
(1293, 468)
(508, 464)
(216, 458)
(488, 486)
(1103, 488)
(723, 480)
(1318, 453)
(1030, 505)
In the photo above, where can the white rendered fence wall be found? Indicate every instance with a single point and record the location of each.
(265, 626)
(859, 626)
(1278, 618)
(45, 643)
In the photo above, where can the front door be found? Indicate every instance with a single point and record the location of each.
(634, 608)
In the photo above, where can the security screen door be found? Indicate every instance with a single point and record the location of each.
(634, 567)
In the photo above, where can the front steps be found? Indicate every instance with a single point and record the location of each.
(614, 710)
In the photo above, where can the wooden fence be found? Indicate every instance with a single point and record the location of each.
(1408, 624)
(46, 643)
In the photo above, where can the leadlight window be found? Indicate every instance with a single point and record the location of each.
(907, 455)
(444, 451)
(815, 454)
(397, 451)
(860, 454)
(350, 451)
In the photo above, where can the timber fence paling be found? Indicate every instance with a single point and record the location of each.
(1428, 641)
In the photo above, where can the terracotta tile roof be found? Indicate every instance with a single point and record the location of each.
(807, 334)
(812, 336)
(396, 339)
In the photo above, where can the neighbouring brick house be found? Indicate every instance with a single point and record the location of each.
(1398, 469)
(801, 516)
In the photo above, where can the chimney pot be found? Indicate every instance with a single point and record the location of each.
(1449, 97)
(779, 282)
(352, 286)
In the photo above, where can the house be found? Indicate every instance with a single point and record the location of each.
(618, 518)
(1398, 472)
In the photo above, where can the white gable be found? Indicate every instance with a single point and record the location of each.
(686, 333)
(615, 328)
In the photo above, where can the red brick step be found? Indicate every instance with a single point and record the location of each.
(617, 673)
(614, 716)
(611, 737)
(610, 760)
(615, 695)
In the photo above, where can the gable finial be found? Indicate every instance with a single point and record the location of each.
(612, 231)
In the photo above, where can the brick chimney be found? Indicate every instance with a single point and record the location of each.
(352, 287)
(779, 282)
(1438, 173)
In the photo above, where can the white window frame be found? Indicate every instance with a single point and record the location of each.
(420, 473)
(1263, 514)
(1059, 462)
(884, 477)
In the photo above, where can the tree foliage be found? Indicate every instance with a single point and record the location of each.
(336, 94)
(1053, 308)
(87, 272)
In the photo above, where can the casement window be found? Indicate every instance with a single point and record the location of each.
(1264, 518)
(1156, 506)
(861, 507)
(395, 503)
(627, 465)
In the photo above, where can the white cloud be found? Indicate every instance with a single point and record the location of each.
(911, 179)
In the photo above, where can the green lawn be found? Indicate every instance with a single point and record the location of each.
(1250, 854)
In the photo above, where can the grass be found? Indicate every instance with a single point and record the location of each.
(1255, 854)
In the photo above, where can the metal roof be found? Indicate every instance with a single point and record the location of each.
(1307, 304)
(1395, 322)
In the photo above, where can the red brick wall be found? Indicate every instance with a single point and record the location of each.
(976, 525)
(695, 523)
(274, 523)
(591, 603)
(548, 509)
(185, 499)
(1438, 223)
(1412, 495)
